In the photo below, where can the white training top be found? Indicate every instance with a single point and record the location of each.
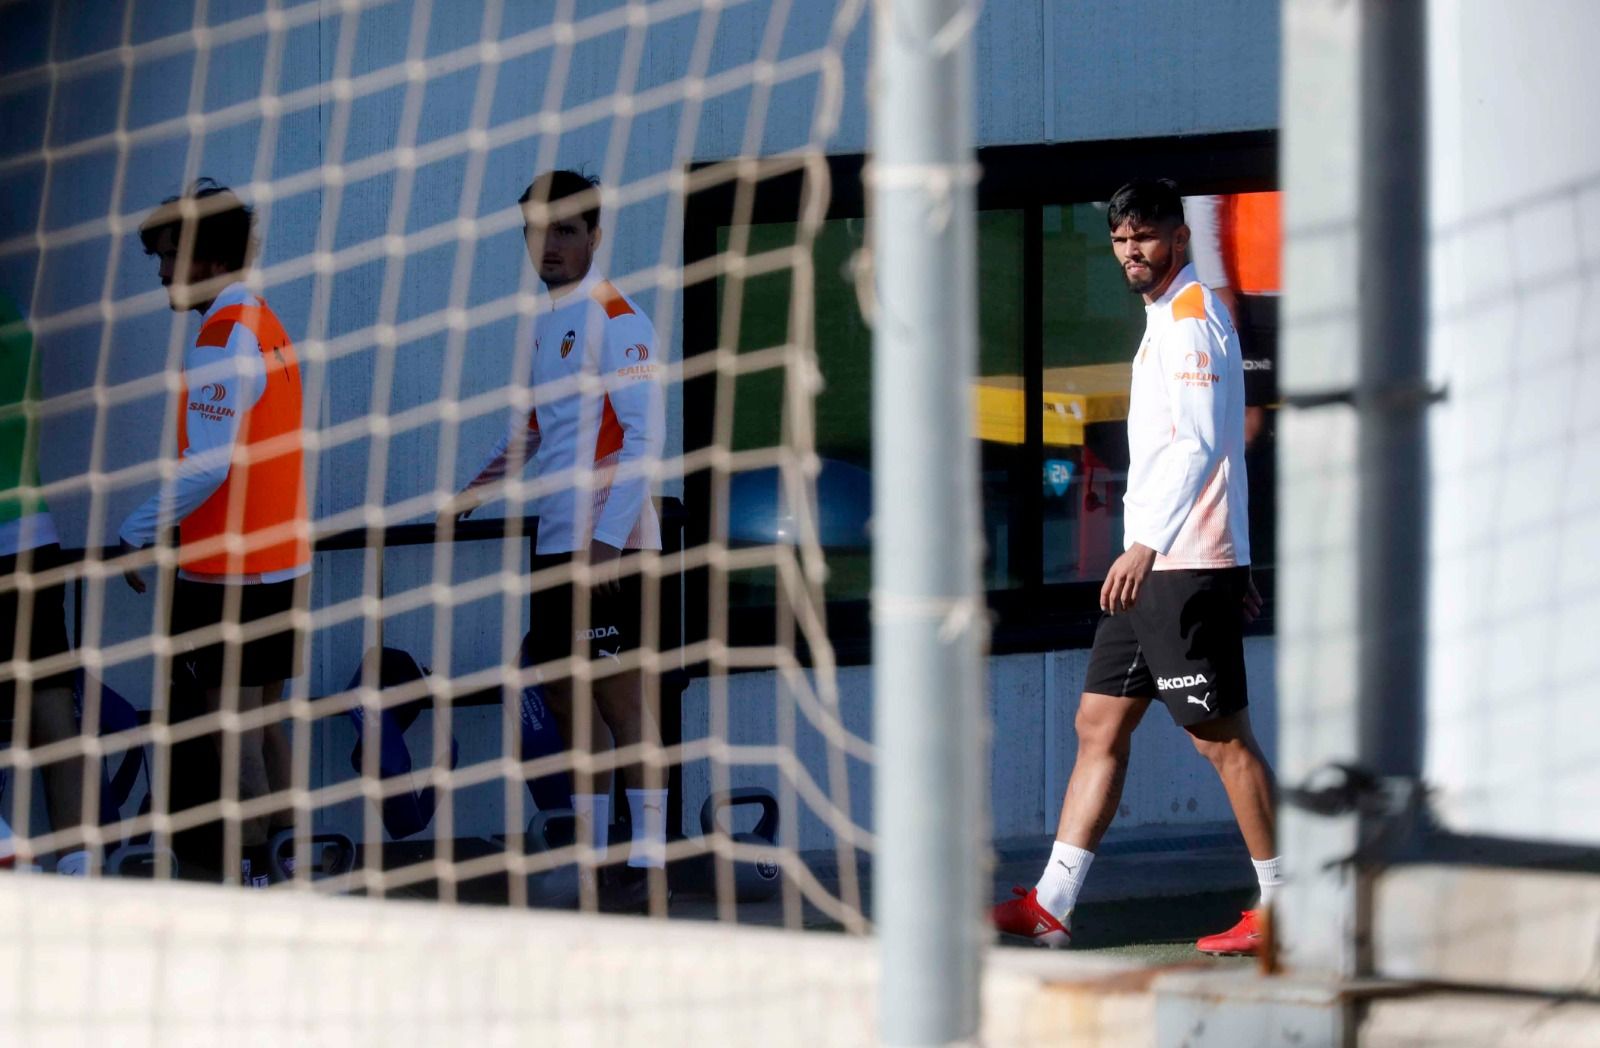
(598, 422)
(1201, 215)
(236, 372)
(1187, 494)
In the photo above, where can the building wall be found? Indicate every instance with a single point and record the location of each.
(1098, 69)
(1513, 737)
(1032, 700)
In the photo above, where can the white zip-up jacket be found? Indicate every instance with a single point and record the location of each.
(598, 423)
(1187, 493)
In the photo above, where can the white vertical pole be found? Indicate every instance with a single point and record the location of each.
(1352, 584)
(928, 616)
(1318, 548)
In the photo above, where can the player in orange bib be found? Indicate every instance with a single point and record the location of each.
(238, 497)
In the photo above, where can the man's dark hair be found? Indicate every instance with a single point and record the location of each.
(221, 224)
(1143, 201)
(552, 186)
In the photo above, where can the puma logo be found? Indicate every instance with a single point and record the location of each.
(1070, 869)
(1204, 703)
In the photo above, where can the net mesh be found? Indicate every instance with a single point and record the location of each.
(383, 147)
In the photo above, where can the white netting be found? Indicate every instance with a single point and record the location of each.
(383, 147)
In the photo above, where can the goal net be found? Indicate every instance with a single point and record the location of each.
(267, 651)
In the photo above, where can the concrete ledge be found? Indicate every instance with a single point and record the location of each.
(1511, 929)
(1459, 1020)
(1042, 998)
(1241, 1009)
(1220, 1009)
(93, 963)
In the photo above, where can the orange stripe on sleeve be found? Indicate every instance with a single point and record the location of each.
(611, 299)
(1190, 303)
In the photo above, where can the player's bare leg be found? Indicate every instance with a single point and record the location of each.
(278, 758)
(53, 719)
(591, 789)
(1230, 746)
(620, 698)
(1105, 725)
(253, 831)
(558, 697)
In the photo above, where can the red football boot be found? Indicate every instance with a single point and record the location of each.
(1024, 917)
(1242, 940)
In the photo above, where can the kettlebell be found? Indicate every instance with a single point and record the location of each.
(761, 877)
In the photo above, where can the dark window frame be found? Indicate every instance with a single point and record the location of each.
(1033, 616)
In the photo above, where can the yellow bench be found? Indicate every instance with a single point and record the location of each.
(1073, 397)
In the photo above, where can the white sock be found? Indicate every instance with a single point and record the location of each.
(1063, 879)
(1269, 874)
(649, 811)
(594, 819)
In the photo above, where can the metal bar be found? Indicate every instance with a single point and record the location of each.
(1392, 486)
(1392, 495)
(671, 510)
(928, 612)
(1029, 542)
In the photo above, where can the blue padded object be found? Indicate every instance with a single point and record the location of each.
(408, 813)
(541, 738)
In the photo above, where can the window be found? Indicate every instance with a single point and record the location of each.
(1091, 322)
(844, 409)
(1057, 328)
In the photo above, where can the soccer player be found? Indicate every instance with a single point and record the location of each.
(32, 617)
(597, 427)
(239, 496)
(1236, 249)
(1175, 602)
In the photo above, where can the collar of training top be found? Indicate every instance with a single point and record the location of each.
(1184, 278)
(579, 293)
(235, 294)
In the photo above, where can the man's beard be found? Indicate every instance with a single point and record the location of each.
(1142, 285)
(566, 276)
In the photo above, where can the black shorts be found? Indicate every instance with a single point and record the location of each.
(40, 612)
(262, 658)
(1183, 643)
(613, 624)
